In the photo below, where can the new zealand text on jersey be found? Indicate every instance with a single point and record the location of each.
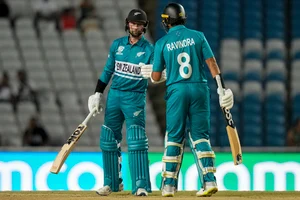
(180, 44)
(127, 68)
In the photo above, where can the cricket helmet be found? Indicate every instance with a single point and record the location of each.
(137, 15)
(173, 14)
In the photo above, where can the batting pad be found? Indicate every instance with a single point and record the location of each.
(172, 160)
(111, 158)
(204, 159)
(138, 158)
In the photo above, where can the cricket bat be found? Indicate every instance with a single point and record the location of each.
(233, 137)
(70, 144)
(232, 133)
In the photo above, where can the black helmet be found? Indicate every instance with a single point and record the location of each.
(136, 15)
(173, 14)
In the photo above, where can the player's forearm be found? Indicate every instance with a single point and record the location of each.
(225, 95)
(215, 70)
(213, 66)
(156, 76)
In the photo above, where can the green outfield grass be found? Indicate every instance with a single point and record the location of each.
(186, 195)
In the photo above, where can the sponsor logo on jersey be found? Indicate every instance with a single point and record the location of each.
(139, 54)
(180, 44)
(120, 50)
(128, 70)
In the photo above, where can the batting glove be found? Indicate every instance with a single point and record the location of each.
(146, 72)
(95, 101)
(226, 99)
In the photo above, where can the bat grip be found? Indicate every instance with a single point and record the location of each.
(86, 120)
(219, 83)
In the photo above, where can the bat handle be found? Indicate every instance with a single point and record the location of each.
(220, 87)
(221, 91)
(86, 120)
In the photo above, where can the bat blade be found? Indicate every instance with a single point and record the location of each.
(235, 145)
(233, 137)
(67, 149)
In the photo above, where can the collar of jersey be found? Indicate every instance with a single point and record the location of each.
(139, 43)
(175, 28)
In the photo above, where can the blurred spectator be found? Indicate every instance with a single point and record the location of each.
(87, 11)
(46, 10)
(6, 94)
(89, 24)
(68, 19)
(26, 90)
(293, 137)
(4, 9)
(35, 134)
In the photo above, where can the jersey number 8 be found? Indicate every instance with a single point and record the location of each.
(185, 64)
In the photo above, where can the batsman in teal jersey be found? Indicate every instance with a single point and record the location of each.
(181, 54)
(126, 101)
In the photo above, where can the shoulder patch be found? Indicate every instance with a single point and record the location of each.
(120, 49)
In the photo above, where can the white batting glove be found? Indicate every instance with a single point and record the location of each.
(95, 102)
(146, 71)
(226, 99)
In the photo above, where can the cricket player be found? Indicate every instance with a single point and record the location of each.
(126, 101)
(181, 55)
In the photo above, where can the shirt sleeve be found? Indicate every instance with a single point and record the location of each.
(158, 62)
(206, 50)
(109, 66)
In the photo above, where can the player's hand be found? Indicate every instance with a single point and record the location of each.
(146, 71)
(226, 98)
(95, 101)
(162, 78)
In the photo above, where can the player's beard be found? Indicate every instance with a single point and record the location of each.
(136, 34)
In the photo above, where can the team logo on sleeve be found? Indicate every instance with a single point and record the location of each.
(139, 54)
(136, 113)
(120, 50)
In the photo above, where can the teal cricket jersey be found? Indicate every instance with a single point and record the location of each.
(183, 53)
(123, 62)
